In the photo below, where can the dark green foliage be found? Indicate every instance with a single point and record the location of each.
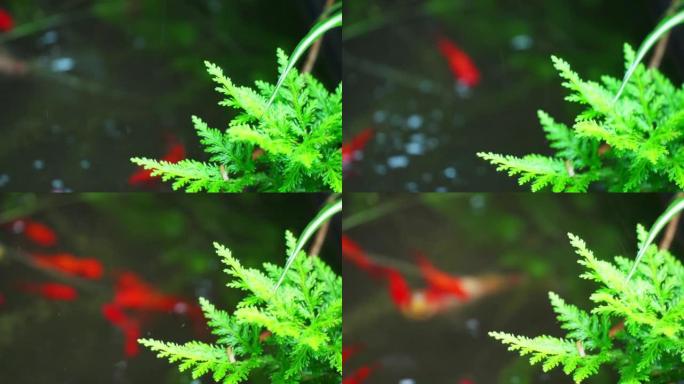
(642, 131)
(650, 348)
(292, 145)
(303, 316)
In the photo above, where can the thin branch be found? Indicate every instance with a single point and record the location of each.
(316, 48)
(319, 239)
(321, 233)
(659, 52)
(671, 229)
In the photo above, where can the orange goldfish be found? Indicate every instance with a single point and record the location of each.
(444, 291)
(461, 65)
(69, 264)
(132, 298)
(175, 153)
(360, 375)
(6, 21)
(356, 145)
(51, 291)
(39, 233)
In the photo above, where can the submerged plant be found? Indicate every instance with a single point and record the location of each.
(631, 143)
(293, 334)
(293, 144)
(636, 325)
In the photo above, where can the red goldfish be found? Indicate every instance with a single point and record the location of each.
(133, 298)
(6, 21)
(52, 291)
(350, 351)
(129, 325)
(355, 146)
(461, 65)
(444, 291)
(439, 281)
(175, 153)
(39, 233)
(134, 293)
(359, 376)
(69, 264)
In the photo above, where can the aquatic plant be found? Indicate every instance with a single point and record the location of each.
(631, 143)
(292, 145)
(287, 137)
(292, 333)
(636, 325)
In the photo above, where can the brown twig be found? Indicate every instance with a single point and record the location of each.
(320, 238)
(316, 48)
(320, 234)
(671, 229)
(224, 172)
(659, 52)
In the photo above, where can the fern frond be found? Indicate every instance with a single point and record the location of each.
(540, 171)
(628, 144)
(291, 335)
(650, 305)
(289, 146)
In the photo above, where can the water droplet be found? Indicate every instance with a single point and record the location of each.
(57, 184)
(415, 149)
(522, 42)
(462, 90)
(85, 164)
(38, 164)
(379, 116)
(380, 169)
(4, 179)
(441, 189)
(48, 38)
(411, 186)
(62, 64)
(473, 327)
(407, 381)
(414, 121)
(450, 173)
(399, 161)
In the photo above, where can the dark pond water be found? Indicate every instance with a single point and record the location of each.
(108, 80)
(166, 240)
(473, 234)
(427, 127)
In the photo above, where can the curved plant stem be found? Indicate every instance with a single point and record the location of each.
(322, 232)
(316, 48)
(657, 57)
(323, 216)
(671, 229)
(675, 208)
